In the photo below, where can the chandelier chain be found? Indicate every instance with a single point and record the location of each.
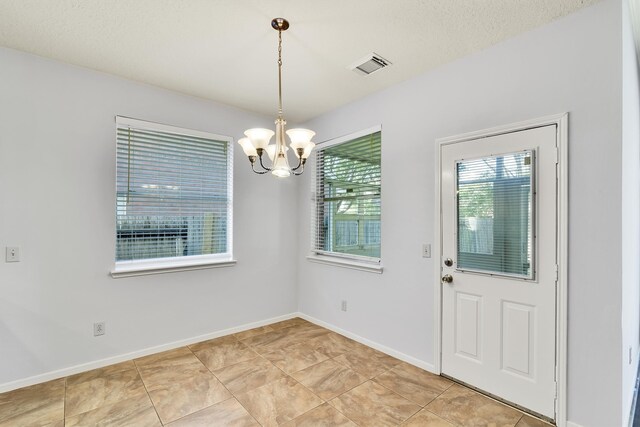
(280, 73)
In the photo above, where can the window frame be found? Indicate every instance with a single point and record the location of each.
(339, 259)
(128, 268)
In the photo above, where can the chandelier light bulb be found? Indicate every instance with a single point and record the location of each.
(307, 150)
(281, 167)
(247, 147)
(259, 137)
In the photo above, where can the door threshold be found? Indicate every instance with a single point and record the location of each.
(501, 400)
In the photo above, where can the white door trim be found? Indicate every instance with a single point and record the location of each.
(561, 121)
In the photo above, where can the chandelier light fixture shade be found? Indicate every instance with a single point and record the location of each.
(256, 141)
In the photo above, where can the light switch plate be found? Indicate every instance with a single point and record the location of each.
(426, 250)
(12, 254)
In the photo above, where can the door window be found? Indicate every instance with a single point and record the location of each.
(495, 214)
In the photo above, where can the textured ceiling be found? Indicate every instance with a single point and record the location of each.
(225, 50)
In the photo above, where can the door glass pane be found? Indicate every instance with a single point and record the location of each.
(495, 214)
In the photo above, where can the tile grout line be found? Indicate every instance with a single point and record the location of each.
(372, 380)
(408, 400)
(339, 411)
(335, 397)
(104, 402)
(323, 401)
(522, 414)
(422, 406)
(357, 385)
(287, 375)
(440, 416)
(494, 400)
(433, 400)
(147, 391)
(233, 396)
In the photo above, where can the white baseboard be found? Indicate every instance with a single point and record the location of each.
(570, 424)
(387, 350)
(60, 373)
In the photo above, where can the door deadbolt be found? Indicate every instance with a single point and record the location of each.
(448, 262)
(447, 278)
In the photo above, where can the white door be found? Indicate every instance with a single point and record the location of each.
(498, 217)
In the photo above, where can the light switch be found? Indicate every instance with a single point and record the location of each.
(426, 250)
(12, 254)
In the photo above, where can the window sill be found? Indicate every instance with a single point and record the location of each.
(131, 270)
(346, 263)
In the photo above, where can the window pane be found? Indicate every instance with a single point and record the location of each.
(346, 233)
(494, 209)
(348, 197)
(172, 195)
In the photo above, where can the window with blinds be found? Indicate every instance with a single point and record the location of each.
(347, 198)
(495, 208)
(173, 193)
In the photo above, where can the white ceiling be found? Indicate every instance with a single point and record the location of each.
(225, 50)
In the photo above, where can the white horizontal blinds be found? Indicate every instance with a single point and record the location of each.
(172, 194)
(495, 214)
(347, 214)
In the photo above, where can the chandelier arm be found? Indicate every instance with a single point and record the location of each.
(300, 164)
(262, 164)
(258, 172)
(293, 171)
(252, 160)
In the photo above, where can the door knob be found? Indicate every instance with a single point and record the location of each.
(447, 278)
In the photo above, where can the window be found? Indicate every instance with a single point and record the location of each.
(173, 202)
(347, 201)
(495, 214)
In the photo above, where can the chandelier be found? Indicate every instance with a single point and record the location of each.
(257, 140)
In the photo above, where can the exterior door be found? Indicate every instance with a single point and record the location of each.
(498, 216)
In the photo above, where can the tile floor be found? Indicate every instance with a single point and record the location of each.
(290, 373)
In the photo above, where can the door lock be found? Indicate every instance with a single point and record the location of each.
(447, 278)
(448, 262)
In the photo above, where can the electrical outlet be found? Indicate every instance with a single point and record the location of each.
(99, 328)
(344, 305)
(12, 254)
(426, 250)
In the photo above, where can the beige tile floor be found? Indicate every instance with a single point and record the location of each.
(290, 373)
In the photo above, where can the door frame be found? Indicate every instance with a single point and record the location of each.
(561, 121)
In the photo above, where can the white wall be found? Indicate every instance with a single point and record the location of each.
(57, 195)
(630, 214)
(573, 65)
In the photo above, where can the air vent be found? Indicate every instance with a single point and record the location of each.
(369, 64)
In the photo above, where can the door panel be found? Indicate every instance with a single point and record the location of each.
(498, 216)
(518, 321)
(468, 320)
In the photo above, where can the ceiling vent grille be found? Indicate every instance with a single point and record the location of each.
(369, 64)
